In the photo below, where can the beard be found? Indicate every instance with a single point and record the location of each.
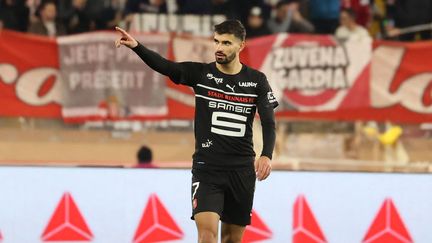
(225, 59)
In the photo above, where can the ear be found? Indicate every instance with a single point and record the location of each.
(242, 45)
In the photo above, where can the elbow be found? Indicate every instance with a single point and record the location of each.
(268, 124)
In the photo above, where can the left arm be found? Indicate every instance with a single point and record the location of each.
(266, 104)
(263, 164)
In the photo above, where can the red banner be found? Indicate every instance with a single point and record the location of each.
(395, 86)
(313, 74)
(401, 82)
(314, 77)
(28, 76)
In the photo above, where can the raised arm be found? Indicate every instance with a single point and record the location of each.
(177, 72)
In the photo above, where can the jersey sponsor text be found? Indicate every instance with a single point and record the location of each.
(229, 107)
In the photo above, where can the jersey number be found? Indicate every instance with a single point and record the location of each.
(240, 128)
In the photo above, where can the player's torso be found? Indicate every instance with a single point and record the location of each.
(225, 109)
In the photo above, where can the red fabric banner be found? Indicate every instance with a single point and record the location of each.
(314, 77)
(28, 76)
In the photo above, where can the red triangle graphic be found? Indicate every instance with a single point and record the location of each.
(67, 223)
(157, 224)
(257, 230)
(305, 226)
(388, 226)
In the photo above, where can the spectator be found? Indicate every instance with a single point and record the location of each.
(349, 29)
(145, 158)
(210, 7)
(289, 19)
(145, 6)
(243, 7)
(14, 15)
(75, 16)
(378, 20)
(361, 9)
(324, 15)
(109, 15)
(46, 24)
(256, 25)
(409, 13)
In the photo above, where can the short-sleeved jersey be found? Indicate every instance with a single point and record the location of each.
(225, 107)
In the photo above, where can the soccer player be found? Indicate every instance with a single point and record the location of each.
(227, 95)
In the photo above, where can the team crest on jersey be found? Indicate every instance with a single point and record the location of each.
(247, 84)
(271, 97)
(217, 80)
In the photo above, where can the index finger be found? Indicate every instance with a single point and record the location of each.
(122, 31)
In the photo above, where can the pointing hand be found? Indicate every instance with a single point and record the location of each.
(125, 39)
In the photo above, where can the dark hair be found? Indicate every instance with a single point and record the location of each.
(350, 12)
(42, 5)
(285, 2)
(144, 155)
(231, 26)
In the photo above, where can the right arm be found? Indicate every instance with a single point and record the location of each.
(161, 65)
(179, 73)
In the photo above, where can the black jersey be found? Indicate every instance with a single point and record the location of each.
(225, 107)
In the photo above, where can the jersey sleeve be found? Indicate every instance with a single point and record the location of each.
(266, 103)
(186, 73)
(266, 99)
(189, 73)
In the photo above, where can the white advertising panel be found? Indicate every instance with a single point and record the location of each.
(40, 204)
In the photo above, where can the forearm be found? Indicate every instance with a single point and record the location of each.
(305, 26)
(268, 132)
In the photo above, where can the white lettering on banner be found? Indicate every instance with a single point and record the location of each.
(198, 25)
(102, 79)
(93, 53)
(410, 94)
(315, 79)
(8, 73)
(311, 68)
(317, 56)
(28, 85)
(240, 128)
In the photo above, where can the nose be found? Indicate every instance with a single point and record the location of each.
(219, 47)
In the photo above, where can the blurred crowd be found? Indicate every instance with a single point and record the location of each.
(404, 20)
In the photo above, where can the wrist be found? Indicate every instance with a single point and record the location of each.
(134, 45)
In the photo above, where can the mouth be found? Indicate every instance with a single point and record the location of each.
(220, 55)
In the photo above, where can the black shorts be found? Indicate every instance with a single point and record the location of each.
(228, 193)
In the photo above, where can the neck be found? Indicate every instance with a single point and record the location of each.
(233, 67)
(352, 26)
